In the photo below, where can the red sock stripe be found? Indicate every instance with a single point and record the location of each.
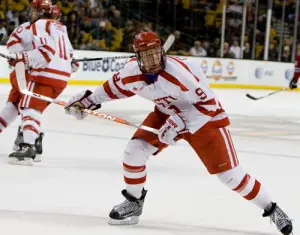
(28, 118)
(254, 191)
(135, 181)
(243, 184)
(133, 169)
(3, 122)
(30, 128)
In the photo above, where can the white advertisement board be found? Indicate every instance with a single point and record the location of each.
(228, 73)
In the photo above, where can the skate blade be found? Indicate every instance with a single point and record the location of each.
(16, 161)
(37, 158)
(128, 221)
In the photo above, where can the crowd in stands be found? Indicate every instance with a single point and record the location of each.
(196, 24)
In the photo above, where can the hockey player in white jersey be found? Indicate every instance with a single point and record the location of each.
(49, 62)
(185, 108)
(19, 40)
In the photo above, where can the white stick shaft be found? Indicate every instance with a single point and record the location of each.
(94, 113)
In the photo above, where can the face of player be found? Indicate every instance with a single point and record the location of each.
(33, 14)
(151, 60)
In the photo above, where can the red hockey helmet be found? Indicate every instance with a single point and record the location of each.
(41, 5)
(39, 9)
(149, 52)
(56, 12)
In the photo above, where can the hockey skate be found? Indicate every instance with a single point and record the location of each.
(128, 212)
(280, 219)
(39, 147)
(24, 156)
(19, 140)
(38, 144)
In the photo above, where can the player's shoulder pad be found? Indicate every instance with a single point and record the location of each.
(21, 28)
(131, 68)
(41, 26)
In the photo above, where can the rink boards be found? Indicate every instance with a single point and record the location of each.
(222, 73)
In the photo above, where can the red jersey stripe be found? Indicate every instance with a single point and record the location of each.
(173, 80)
(54, 71)
(126, 93)
(47, 58)
(185, 66)
(109, 91)
(135, 78)
(49, 49)
(34, 29)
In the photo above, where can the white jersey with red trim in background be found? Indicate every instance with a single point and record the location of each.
(54, 53)
(180, 88)
(20, 39)
(49, 50)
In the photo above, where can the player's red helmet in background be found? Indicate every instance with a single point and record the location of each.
(41, 5)
(39, 9)
(56, 12)
(149, 52)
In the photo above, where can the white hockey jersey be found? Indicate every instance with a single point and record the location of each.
(180, 88)
(20, 39)
(49, 49)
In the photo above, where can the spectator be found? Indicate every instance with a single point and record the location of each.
(117, 21)
(286, 55)
(197, 49)
(226, 52)
(11, 27)
(13, 16)
(3, 28)
(177, 47)
(235, 49)
(235, 7)
(128, 36)
(102, 33)
(247, 51)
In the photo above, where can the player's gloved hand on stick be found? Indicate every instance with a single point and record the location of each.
(18, 57)
(173, 125)
(79, 102)
(293, 84)
(75, 66)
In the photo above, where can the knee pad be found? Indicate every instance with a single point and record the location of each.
(233, 177)
(137, 152)
(31, 120)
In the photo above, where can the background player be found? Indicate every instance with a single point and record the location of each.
(185, 108)
(50, 69)
(294, 81)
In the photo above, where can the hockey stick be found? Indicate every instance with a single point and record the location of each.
(94, 113)
(21, 79)
(6, 57)
(272, 93)
(264, 96)
(170, 40)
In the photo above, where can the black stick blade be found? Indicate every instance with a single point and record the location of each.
(252, 97)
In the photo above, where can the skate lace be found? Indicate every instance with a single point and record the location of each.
(280, 218)
(126, 207)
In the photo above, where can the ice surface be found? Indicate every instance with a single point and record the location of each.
(73, 190)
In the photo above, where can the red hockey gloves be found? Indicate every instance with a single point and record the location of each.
(75, 66)
(79, 102)
(170, 129)
(18, 57)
